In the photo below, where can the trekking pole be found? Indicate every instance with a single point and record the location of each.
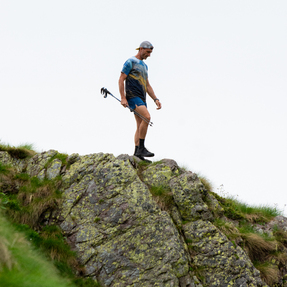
(105, 92)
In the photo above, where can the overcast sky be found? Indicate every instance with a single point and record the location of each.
(218, 67)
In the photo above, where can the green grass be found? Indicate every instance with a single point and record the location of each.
(21, 265)
(239, 210)
(20, 152)
(162, 196)
(4, 169)
(97, 219)
(206, 183)
(51, 242)
(27, 146)
(159, 190)
(227, 228)
(280, 235)
(269, 272)
(144, 163)
(22, 176)
(61, 156)
(25, 199)
(260, 211)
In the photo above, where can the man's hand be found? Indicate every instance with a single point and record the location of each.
(124, 102)
(158, 103)
(122, 79)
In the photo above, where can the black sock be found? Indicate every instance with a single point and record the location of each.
(141, 143)
(136, 148)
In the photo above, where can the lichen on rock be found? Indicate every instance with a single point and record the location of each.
(124, 237)
(188, 195)
(118, 230)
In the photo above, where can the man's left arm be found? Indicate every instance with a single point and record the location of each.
(152, 95)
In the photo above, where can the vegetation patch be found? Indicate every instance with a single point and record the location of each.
(61, 156)
(22, 265)
(238, 210)
(163, 196)
(269, 272)
(4, 169)
(257, 246)
(97, 219)
(27, 200)
(280, 235)
(206, 183)
(267, 251)
(19, 152)
(228, 228)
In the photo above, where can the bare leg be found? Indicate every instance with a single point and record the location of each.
(141, 132)
(137, 133)
(142, 126)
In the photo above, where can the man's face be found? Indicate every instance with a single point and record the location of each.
(145, 53)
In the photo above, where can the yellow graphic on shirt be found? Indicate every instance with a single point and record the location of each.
(136, 81)
(140, 79)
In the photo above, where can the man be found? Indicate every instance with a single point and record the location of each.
(133, 86)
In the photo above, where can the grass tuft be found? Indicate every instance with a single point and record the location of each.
(26, 198)
(21, 152)
(238, 210)
(6, 259)
(4, 169)
(269, 272)
(227, 228)
(280, 235)
(97, 219)
(206, 183)
(257, 247)
(61, 156)
(163, 196)
(22, 265)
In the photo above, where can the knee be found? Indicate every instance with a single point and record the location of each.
(147, 119)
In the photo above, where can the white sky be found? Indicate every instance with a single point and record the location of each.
(218, 67)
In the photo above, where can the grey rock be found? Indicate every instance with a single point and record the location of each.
(54, 169)
(124, 237)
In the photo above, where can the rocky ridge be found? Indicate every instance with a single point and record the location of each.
(126, 236)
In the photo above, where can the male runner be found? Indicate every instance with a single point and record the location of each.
(133, 94)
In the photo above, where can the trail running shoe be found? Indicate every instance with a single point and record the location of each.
(143, 152)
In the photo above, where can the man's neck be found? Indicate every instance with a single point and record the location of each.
(138, 57)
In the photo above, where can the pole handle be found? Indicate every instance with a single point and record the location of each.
(105, 92)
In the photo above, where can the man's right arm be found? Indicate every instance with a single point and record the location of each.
(122, 79)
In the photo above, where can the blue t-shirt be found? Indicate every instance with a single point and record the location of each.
(136, 81)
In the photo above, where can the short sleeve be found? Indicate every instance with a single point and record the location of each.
(127, 67)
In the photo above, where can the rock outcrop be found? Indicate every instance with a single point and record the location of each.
(125, 236)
